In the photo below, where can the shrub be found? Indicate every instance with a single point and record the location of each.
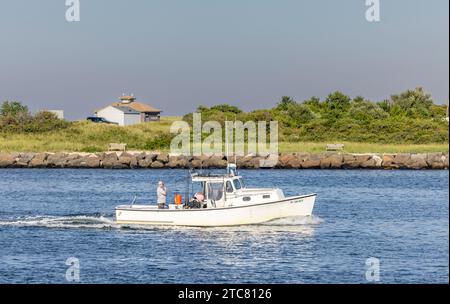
(159, 142)
(14, 117)
(13, 109)
(225, 108)
(413, 103)
(337, 104)
(365, 111)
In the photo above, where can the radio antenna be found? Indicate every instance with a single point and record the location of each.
(234, 126)
(226, 140)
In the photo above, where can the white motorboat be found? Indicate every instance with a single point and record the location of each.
(223, 200)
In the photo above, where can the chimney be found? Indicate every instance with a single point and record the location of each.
(126, 99)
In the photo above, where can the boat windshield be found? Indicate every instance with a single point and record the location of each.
(242, 182)
(215, 191)
(237, 184)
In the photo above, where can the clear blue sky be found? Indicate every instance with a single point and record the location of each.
(177, 54)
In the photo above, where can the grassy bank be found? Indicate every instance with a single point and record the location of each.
(352, 147)
(90, 137)
(85, 136)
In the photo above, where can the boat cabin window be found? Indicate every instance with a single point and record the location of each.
(229, 187)
(215, 191)
(237, 184)
(242, 182)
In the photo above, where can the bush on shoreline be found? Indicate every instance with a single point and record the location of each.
(15, 118)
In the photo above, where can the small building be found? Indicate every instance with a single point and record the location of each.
(128, 111)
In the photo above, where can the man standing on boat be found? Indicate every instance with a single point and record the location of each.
(161, 194)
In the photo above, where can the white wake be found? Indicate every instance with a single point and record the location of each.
(103, 222)
(78, 221)
(296, 221)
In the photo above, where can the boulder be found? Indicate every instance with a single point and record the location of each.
(176, 162)
(173, 162)
(83, 160)
(378, 161)
(199, 161)
(74, 161)
(311, 161)
(289, 160)
(126, 159)
(436, 160)
(145, 160)
(418, 161)
(215, 162)
(56, 160)
(157, 165)
(196, 163)
(23, 160)
(134, 162)
(255, 163)
(38, 161)
(7, 160)
(402, 160)
(368, 164)
(354, 161)
(249, 161)
(140, 156)
(180, 161)
(72, 156)
(163, 158)
(389, 161)
(332, 161)
(268, 162)
(111, 161)
(90, 161)
(371, 162)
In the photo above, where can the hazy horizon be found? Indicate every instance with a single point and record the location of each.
(176, 55)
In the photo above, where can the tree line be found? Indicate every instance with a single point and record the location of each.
(408, 117)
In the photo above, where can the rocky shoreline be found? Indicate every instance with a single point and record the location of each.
(154, 160)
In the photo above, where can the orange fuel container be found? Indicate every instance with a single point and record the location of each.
(178, 199)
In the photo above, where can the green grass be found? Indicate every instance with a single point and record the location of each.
(85, 136)
(352, 147)
(90, 137)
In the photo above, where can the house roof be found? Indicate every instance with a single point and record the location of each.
(137, 106)
(129, 102)
(126, 110)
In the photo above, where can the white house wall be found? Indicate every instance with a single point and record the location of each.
(112, 114)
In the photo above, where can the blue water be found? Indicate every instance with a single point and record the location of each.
(398, 217)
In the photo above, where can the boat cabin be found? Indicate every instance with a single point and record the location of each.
(216, 191)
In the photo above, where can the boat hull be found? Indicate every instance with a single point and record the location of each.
(216, 217)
